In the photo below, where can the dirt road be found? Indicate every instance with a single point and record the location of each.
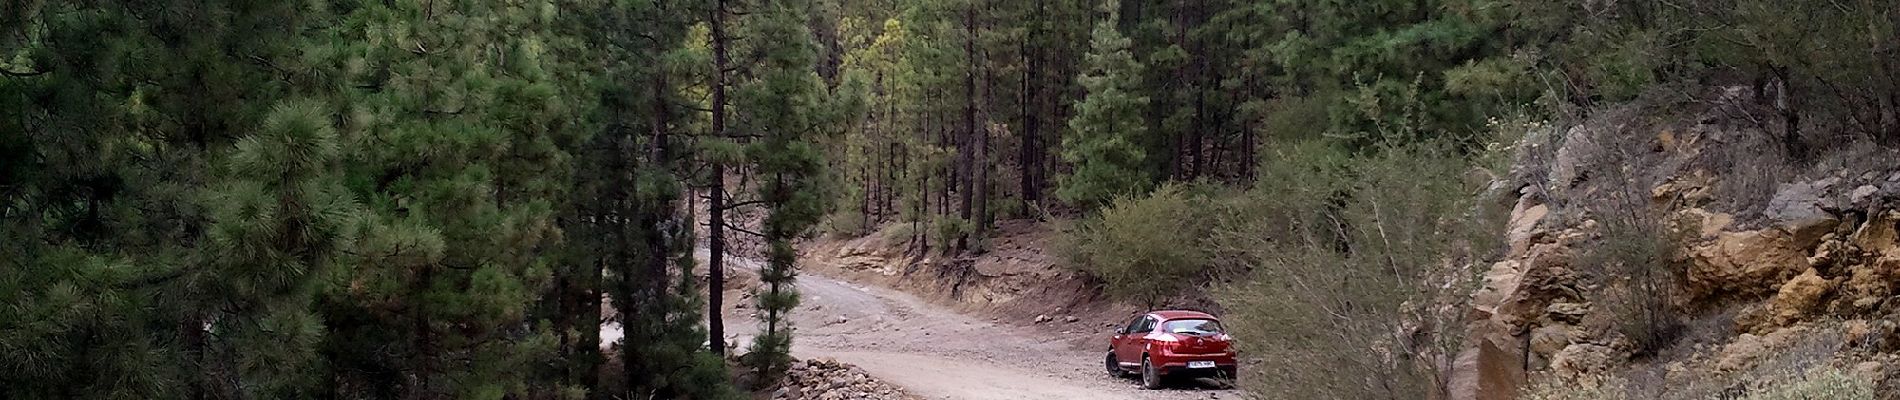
(939, 354)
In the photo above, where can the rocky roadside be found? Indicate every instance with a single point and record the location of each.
(828, 379)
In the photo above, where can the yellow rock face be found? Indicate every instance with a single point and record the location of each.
(1799, 297)
(1749, 262)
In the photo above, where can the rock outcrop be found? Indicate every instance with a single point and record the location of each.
(1817, 253)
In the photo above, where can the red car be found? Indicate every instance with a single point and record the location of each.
(1167, 344)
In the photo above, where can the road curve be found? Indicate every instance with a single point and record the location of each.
(936, 353)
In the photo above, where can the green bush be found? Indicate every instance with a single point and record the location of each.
(1143, 248)
(1809, 63)
(1345, 251)
(949, 229)
(845, 224)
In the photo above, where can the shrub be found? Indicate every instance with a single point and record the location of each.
(1636, 258)
(1145, 248)
(1588, 387)
(845, 224)
(1814, 384)
(1354, 285)
(948, 229)
(1818, 383)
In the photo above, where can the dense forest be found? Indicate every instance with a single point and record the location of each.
(428, 199)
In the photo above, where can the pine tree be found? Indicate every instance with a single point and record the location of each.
(161, 233)
(277, 221)
(782, 107)
(452, 123)
(1103, 140)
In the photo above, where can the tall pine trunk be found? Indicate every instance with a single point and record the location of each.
(716, 207)
(1028, 165)
(966, 151)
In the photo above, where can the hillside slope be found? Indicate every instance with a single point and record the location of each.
(1778, 266)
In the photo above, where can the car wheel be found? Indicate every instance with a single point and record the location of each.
(1150, 378)
(1113, 366)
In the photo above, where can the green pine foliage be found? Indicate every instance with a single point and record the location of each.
(781, 105)
(282, 200)
(277, 223)
(1104, 139)
(166, 209)
(431, 199)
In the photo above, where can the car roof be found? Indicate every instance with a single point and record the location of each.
(1181, 314)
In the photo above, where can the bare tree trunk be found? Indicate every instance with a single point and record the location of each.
(716, 203)
(966, 152)
(424, 342)
(982, 163)
(1026, 161)
(1201, 86)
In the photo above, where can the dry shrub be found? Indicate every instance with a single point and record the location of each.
(1588, 387)
(1819, 383)
(1636, 259)
(1806, 367)
(1753, 168)
(1824, 383)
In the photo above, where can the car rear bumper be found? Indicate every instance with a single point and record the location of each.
(1177, 364)
(1220, 371)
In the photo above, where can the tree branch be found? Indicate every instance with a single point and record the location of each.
(735, 228)
(18, 74)
(742, 204)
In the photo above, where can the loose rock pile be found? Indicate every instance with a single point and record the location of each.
(827, 379)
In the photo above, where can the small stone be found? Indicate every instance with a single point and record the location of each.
(1547, 341)
(1070, 319)
(1042, 318)
(1861, 194)
(1568, 312)
(1583, 359)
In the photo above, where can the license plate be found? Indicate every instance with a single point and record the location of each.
(1200, 364)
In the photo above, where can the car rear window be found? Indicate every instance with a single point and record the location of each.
(1191, 326)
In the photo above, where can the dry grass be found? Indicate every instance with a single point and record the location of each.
(1827, 383)
(1806, 367)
